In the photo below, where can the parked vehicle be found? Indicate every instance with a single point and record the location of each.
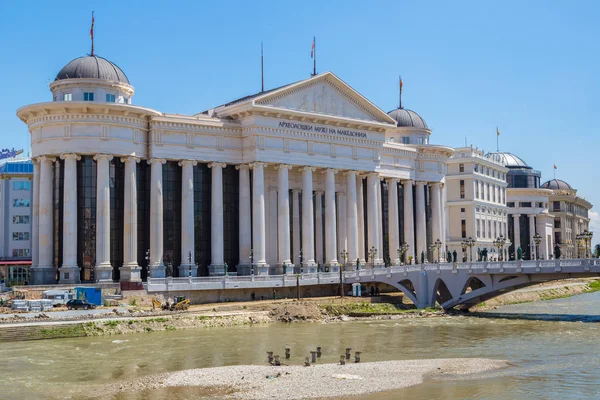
(58, 297)
(80, 304)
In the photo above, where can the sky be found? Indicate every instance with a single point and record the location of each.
(530, 68)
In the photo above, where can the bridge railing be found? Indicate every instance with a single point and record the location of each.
(368, 274)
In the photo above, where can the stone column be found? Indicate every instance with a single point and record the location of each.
(421, 221)
(436, 218)
(217, 262)
(245, 218)
(393, 226)
(351, 219)
(409, 227)
(360, 213)
(130, 271)
(157, 268)
(69, 272)
(43, 272)
(372, 215)
(258, 219)
(308, 226)
(271, 245)
(319, 227)
(517, 235)
(342, 243)
(444, 222)
(35, 207)
(283, 220)
(296, 226)
(532, 246)
(380, 222)
(330, 225)
(188, 265)
(540, 224)
(103, 270)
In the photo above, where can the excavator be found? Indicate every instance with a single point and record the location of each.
(180, 304)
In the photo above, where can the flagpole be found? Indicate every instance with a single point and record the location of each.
(92, 33)
(315, 56)
(400, 93)
(497, 141)
(262, 69)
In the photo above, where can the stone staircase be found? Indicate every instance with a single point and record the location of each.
(38, 332)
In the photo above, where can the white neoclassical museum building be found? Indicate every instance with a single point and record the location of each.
(305, 176)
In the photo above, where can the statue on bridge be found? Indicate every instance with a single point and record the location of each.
(449, 256)
(557, 252)
(519, 253)
(422, 257)
(454, 255)
(484, 254)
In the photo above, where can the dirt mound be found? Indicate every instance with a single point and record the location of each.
(296, 311)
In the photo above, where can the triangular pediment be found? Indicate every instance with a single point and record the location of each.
(324, 94)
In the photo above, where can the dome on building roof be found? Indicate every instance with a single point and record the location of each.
(92, 67)
(509, 160)
(557, 184)
(408, 118)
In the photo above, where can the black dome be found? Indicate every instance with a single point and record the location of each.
(557, 184)
(408, 118)
(92, 67)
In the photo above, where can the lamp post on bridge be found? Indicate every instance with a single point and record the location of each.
(344, 255)
(470, 242)
(372, 253)
(148, 262)
(499, 243)
(190, 263)
(402, 251)
(438, 245)
(252, 262)
(587, 237)
(537, 238)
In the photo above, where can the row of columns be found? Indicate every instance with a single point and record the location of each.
(252, 227)
(532, 231)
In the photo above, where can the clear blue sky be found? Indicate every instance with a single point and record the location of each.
(529, 67)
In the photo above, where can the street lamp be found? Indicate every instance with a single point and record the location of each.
(537, 238)
(470, 242)
(190, 263)
(372, 253)
(438, 245)
(300, 258)
(148, 262)
(402, 251)
(252, 261)
(499, 243)
(587, 235)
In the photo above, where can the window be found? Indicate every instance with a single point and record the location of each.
(461, 167)
(539, 205)
(463, 228)
(21, 185)
(489, 229)
(487, 171)
(20, 253)
(494, 193)
(88, 96)
(476, 189)
(462, 209)
(556, 206)
(462, 189)
(557, 222)
(110, 98)
(67, 97)
(478, 228)
(126, 100)
(20, 235)
(20, 219)
(21, 203)
(493, 173)
(405, 140)
(487, 186)
(476, 168)
(526, 204)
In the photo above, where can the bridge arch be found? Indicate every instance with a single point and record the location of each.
(440, 293)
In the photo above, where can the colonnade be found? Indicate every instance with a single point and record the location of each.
(343, 222)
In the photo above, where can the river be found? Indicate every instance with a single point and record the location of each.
(555, 359)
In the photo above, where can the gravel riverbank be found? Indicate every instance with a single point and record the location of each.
(253, 382)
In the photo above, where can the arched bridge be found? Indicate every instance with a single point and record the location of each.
(460, 285)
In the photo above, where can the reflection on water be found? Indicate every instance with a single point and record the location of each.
(552, 359)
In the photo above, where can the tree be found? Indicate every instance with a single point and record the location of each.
(597, 251)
